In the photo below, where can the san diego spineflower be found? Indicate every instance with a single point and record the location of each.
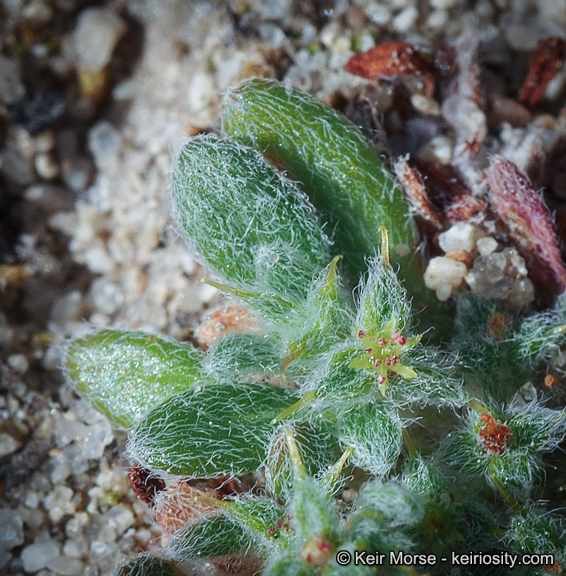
(383, 352)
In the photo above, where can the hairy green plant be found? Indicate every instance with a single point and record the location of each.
(444, 462)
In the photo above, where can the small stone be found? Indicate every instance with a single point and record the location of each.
(405, 20)
(106, 296)
(31, 499)
(275, 9)
(461, 236)
(379, 13)
(425, 105)
(105, 143)
(95, 37)
(273, 35)
(121, 517)
(486, 245)
(20, 364)
(12, 532)
(75, 548)
(77, 173)
(443, 275)
(46, 167)
(65, 566)
(98, 436)
(36, 556)
(58, 503)
(8, 444)
(201, 91)
(437, 19)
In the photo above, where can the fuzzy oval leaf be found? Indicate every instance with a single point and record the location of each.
(216, 536)
(253, 227)
(146, 565)
(213, 430)
(124, 374)
(338, 168)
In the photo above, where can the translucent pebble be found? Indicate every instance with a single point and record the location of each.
(31, 499)
(516, 260)
(11, 532)
(121, 517)
(66, 431)
(486, 245)
(75, 548)
(8, 444)
(201, 91)
(103, 554)
(106, 296)
(444, 272)
(74, 527)
(65, 566)
(437, 19)
(275, 9)
(273, 35)
(33, 518)
(461, 236)
(378, 13)
(97, 437)
(105, 143)
(405, 20)
(61, 469)
(95, 37)
(98, 260)
(19, 363)
(36, 556)
(58, 502)
(46, 167)
(522, 293)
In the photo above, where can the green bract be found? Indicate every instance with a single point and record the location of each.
(357, 434)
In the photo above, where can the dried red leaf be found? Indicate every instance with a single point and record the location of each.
(415, 190)
(545, 63)
(494, 435)
(390, 60)
(182, 503)
(144, 484)
(529, 223)
(448, 193)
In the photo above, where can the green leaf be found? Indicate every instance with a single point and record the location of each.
(219, 535)
(124, 374)
(251, 225)
(335, 164)
(213, 430)
(147, 565)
